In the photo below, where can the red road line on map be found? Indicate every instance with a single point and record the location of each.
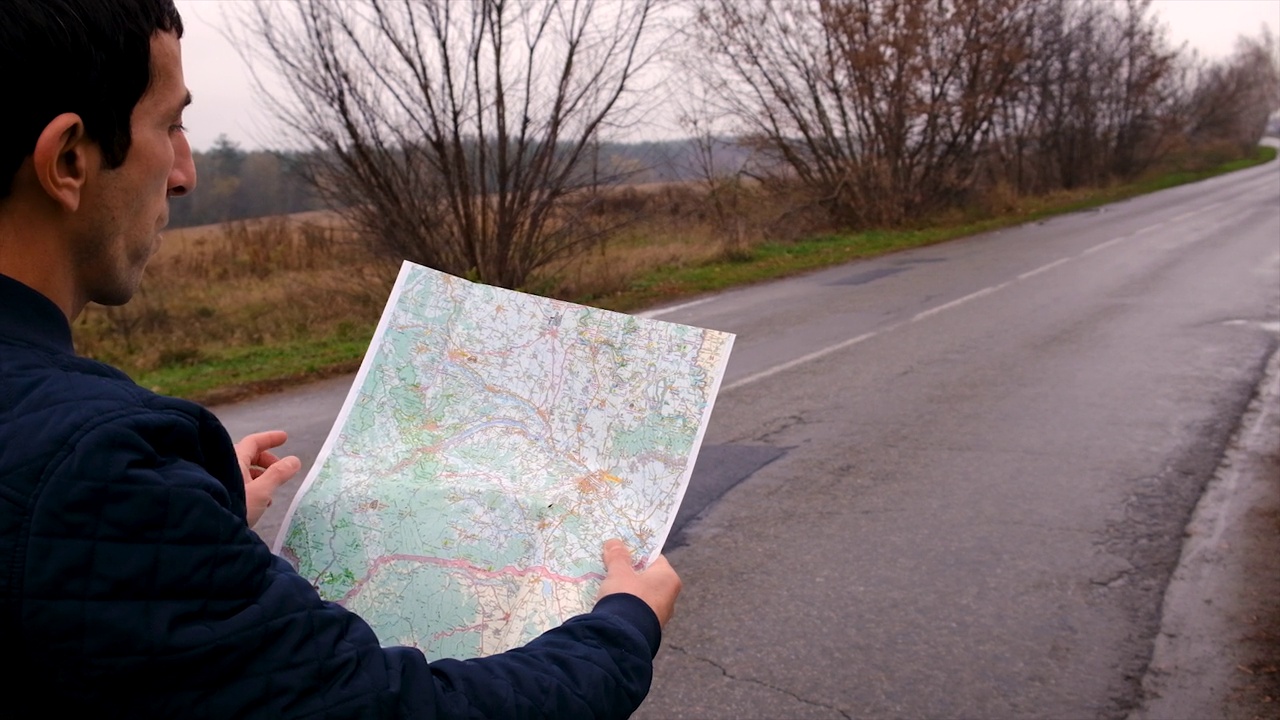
(538, 570)
(449, 633)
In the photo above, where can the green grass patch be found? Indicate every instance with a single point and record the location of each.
(240, 372)
(233, 373)
(777, 260)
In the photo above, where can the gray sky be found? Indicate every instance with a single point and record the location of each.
(225, 103)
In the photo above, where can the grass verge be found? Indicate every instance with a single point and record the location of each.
(776, 260)
(239, 372)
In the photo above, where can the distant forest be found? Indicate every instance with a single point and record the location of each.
(232, 184)
(235, 184)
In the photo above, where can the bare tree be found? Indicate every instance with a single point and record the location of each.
(1233, 98)
(879, 106)
(887, 109)
(721, 182)
(1097, 97)
(457, 133)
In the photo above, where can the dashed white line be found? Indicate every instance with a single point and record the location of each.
(805, 358)
(1103, 246)
(1043, 268)
(957, 302)
(1192, 213)
(783, 367)
(673, 308)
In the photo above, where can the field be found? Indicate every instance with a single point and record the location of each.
(231, 310)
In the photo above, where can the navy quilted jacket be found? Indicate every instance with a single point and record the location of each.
(130, 585)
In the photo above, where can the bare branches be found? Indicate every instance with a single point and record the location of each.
(878, 105)
(464, 133)
(1232, 99)
(454, 133)
(888, 109)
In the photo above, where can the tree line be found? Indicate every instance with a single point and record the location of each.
(236, 184)
(473, 137)
(888, 109)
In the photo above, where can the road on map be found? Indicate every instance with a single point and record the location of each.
(953, 482)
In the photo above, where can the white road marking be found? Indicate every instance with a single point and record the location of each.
(1043, 268)
(783, 367)
(1193, 213)
(1103, 246)
(673, 308)
(958, 302)
(804, 359)
(1268, 325)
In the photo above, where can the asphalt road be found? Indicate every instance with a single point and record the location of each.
(954, 482)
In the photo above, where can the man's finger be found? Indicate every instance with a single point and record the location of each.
(254, 445)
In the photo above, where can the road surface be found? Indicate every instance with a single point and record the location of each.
(954, 482)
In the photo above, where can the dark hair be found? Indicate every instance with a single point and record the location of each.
(89, 57)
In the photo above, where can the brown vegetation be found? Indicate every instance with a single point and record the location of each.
(458, 135)
(272, 281)
(857, 114)
(244, 283)
(239, 308)
(883, 110)
(668, 225)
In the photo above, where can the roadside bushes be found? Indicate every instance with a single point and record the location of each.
(885, 111)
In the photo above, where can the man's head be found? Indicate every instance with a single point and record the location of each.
(91, 143)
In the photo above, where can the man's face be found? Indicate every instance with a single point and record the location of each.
(127, 207)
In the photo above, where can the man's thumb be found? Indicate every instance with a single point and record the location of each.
(280, 471)
(616, 556)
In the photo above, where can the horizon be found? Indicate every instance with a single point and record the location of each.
(227, 104)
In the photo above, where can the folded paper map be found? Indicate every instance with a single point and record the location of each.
(491, 442)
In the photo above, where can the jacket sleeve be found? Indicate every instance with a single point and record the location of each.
(144, 589)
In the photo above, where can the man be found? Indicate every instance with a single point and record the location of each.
(131, 584)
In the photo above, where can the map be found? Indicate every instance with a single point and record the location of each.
(490, 444)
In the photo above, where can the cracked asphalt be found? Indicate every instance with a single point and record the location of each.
(1218, 651)
(955, 482)
(979, 509)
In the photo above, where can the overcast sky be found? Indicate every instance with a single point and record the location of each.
(225, 102)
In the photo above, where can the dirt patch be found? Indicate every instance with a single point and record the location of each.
(1257, 689)
(1218, 651)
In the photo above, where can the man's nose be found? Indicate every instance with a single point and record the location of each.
(182, 179)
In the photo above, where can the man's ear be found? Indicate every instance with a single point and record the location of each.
(61, 160)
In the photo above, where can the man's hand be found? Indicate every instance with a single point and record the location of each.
(263, 471)
(658, 585)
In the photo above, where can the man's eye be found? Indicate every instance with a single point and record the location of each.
(178, 128)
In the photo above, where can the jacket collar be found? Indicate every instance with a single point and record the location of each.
(30, 317)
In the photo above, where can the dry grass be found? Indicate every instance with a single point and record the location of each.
(628, 254)
(231, 309)
(261, 282)
(672, 226)
(307, 278)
